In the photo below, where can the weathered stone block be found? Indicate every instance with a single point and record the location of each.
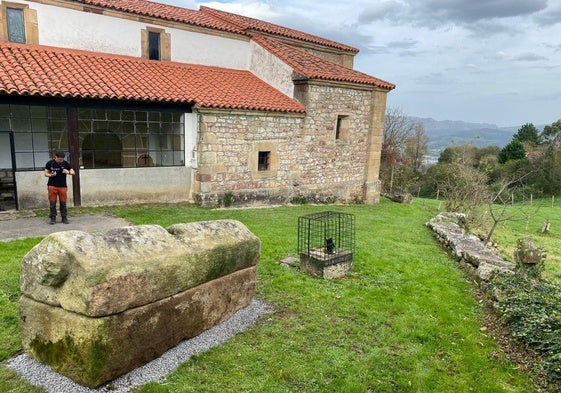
(97, 306)
(328, 266)
(468, 249)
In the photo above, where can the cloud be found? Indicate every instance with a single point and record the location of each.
(550, 16)
(529, 57)
(433, 78)
(481, 17)
(552, 47)
(475, 10)
(403, 44)
(380, 11)
(439, 52)
(254, 8)
(500, 55)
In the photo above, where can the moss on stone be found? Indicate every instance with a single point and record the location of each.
(83, 361)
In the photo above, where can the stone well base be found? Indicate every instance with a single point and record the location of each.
(94, 350)
(328, 266)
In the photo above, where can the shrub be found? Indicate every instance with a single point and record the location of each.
(532, 311)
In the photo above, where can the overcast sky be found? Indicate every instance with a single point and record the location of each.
(486, 61)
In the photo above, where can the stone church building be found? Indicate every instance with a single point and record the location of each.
(157, 103)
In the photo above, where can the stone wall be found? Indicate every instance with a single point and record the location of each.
(466, 248)
(94, 307)
(307, 161)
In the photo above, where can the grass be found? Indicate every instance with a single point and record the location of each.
(527, 222)
(404, 320)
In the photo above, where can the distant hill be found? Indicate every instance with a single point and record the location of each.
(444, 133)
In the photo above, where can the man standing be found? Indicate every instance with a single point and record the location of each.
(56, 170)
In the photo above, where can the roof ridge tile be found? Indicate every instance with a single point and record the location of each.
(249, 23)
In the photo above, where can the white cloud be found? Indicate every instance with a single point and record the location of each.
(255, 9)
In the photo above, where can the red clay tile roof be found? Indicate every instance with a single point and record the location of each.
(36, 70)
(165, 11)
(252, 24)
(315, 67)
(307, 64)
(212, 18)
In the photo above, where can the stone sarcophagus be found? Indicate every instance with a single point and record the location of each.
(95, 306)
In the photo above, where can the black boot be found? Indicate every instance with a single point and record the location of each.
(63, 212)
(52, 212)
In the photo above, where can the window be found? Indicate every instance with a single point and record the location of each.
(342, 128)
(108, 138)
(112, 138)
(16, 25)
(153, 45)
(38, 130)
(264, 161)
(156, 44)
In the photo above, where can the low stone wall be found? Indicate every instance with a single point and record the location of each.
(468, 249)
(97, 306)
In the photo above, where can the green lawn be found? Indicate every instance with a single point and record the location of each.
(527, 221)
(403, 321)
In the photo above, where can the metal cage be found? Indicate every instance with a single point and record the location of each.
(328, 237)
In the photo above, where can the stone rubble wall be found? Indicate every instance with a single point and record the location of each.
(95, 306)
(466, 248)
(307, 161)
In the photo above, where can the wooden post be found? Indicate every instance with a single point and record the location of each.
(73, 144)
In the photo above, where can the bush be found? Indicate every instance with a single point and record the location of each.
(532, 311)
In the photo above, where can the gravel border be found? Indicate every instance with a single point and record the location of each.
(41, 375)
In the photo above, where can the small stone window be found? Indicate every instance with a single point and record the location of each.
(264, 161)
(342, 128)
(156, 44)
(18, 23)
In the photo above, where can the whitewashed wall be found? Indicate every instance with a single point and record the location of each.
(111, 186)
(67, 28)
(271, 69)
(191, 137)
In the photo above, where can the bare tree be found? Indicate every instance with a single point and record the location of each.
(501, 200)
(416, 147)
(463, 187)
(398, 128)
